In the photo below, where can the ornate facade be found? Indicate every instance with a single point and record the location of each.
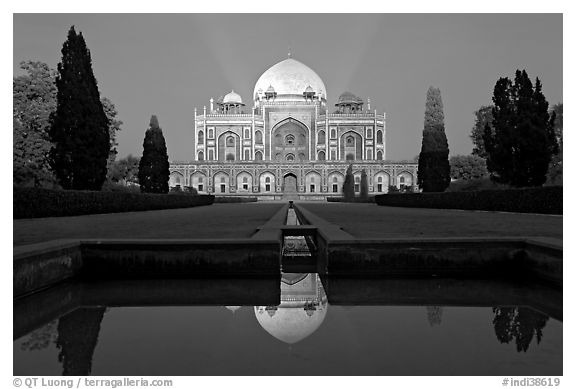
(289, 145)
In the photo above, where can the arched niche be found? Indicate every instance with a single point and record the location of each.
(290, 136)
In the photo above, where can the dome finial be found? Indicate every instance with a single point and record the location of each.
(289, 52)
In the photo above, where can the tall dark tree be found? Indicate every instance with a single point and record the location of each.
(433, 165)
(154, 168)
(79, 127)
(521, 140)
(483, 116)
(348, 186)
(78, 333)
(363, 185)
(34, 99)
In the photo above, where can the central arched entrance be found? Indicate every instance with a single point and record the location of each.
(290, 141)
(289, 187)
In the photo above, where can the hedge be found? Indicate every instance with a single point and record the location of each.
(370, 199)
(235, 199)
(36, 202)
(546, 200)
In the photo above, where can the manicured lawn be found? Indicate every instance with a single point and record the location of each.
(373, 221)
(212, 221)
(241, 221)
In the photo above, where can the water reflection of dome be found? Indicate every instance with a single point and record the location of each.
(302, 309)
(233, 308)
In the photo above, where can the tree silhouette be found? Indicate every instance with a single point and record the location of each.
(434, 314)
(433, 165)
(521, 140)
(483, 117)
(154, 168)
(519, 324)
(79, 127)
(348, 186)
(364, 185)
(77, 338)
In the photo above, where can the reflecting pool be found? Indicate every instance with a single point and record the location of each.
(296, 325)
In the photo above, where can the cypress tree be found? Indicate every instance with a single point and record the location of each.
(154, 168)
(521, 140)
(364, 185)
(348, 186)
(78, 127)
(433, 164)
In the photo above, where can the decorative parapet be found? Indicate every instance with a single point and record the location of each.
(363, 115)
(307, 164)
(228, 116)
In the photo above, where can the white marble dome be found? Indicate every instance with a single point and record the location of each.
(232, 98)
(290, 77)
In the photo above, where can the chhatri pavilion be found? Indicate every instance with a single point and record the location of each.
(288, 144)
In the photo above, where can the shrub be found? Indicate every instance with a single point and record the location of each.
(36, 202)
(532, 200)
(111, 186)
(234, 199)
(369, 199)
(478, 184)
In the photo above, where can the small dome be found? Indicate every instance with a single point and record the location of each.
(232, 98)
(309, 89)
(270, 89)
(349, 98)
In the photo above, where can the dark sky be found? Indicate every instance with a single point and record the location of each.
(170, 63)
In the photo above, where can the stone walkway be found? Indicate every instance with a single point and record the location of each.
(213, 221)
(373, 221)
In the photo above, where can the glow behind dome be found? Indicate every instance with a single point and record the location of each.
(290, 77)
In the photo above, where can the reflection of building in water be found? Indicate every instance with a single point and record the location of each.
(287, 142)
(302, 309)
(233, 308)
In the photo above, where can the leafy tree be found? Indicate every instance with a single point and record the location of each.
(519, 324)
(113, 127)
(483, 117)
(348, 186)
(467, 167)
(363, 185)
(521, 140)
(124, 170)
(79, 127)
(433, 165)
(34, 99)
(555, 168)
(154, 168)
